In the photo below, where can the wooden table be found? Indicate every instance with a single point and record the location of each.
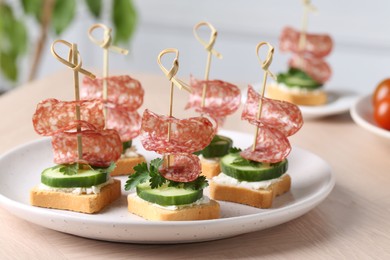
(352, 223)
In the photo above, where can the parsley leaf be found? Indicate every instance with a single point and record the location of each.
(104, 170)
(175, 184)
(198, 184)
(151, 174)
(156, 180)
(69, 169)
(234, 150)
(140, 175)
(244, 162)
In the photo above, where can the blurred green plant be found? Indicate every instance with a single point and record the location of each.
(56, 16)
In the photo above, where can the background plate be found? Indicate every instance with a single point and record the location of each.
(338, 102)
(311, 177)
(362, 113)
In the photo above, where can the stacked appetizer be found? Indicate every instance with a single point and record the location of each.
(171, 188)
(222, 99)
(124, 97)
(302, 83)
(217, 99)
(259, 173)
(255, 177)
(76, 183)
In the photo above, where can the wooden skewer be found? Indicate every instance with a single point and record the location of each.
(107, 46)
(170, 74)
(170, 109)
(307, 7)
(74, 62)
(74, 59)
(210, 51)
(264, 65)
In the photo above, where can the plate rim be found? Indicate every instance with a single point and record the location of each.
(363, 101)
(307, 204)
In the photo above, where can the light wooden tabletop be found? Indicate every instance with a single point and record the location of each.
(352, 223)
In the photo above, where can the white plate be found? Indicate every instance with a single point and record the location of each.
(312, 181)
(362, 113)
(339, 101)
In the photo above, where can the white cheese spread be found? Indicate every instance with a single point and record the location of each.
(296, 89)
(130, 152)
(224, 179)
(201, 201)
(210, 160)
(77, 190)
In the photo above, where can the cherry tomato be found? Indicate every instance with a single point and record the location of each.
(381, 91)
(382, 113)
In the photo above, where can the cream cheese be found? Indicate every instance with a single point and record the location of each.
(77, 190)
(210, 160)
(296, 89)
(201, 201)
(224, 179)
(130, 152)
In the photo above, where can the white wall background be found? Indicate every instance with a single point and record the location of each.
(360, 29)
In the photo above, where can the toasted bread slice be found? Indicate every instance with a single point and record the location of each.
(262, 198)
(210, 168)
(304, 98)
(150, 211)
(124, 166)
(85, 203)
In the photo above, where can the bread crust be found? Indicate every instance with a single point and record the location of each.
(309, 98)
(210, 168)
(85, 203)
(149, 211)
(262, 198)
(124, 166)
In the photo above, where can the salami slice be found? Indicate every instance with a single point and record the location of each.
(276, 114)
(316, 68)
(126, 123)
(100, 147)
(272, 146)
(318, 45)
(187, 135)
(53, 116)
(121, 90)
(222, 98)
(72, 127)
(183, 168)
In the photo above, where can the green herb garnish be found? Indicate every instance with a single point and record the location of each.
(72, 169)
(143, 173)
(156, 179)
(140, 175)
(234, 150)
(69, 169)
(197, 184)
(244, 162)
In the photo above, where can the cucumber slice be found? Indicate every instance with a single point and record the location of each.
(168, 196)
(126, 145)
(298, 78)
(84, 178)
(251, 171)
(218, 147)
(300, 82)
